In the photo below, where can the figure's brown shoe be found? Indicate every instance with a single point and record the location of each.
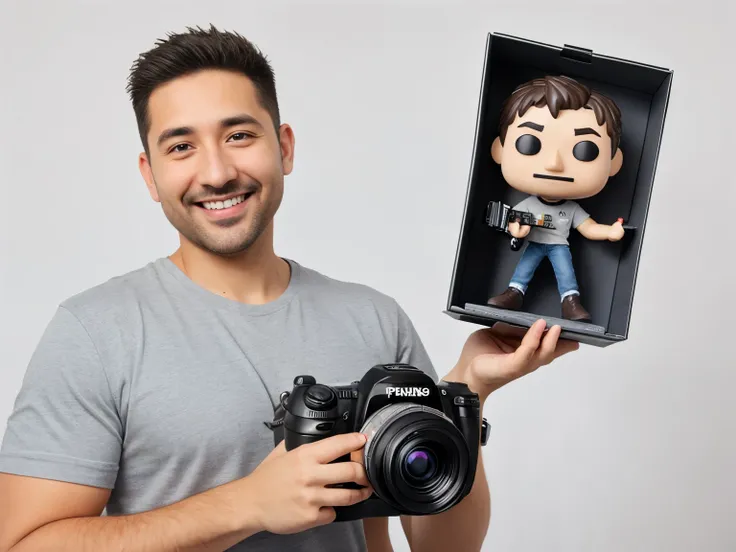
(573, 310)
(511, 299)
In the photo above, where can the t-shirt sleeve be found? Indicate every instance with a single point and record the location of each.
(411, 350)
(579, 216)
(64, 425)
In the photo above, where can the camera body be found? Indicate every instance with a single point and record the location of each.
(423, 438)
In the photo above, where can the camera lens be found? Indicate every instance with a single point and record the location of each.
(416, 459)
(420, 464)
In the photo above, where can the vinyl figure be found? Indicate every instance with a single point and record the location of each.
(558, 141)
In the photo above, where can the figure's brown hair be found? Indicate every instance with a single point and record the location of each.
(558, 93)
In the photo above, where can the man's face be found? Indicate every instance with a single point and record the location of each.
(564, 158)
(216, 164)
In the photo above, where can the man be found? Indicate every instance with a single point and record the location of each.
(558, 141)
(147, 395)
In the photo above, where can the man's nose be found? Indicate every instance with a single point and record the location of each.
(554, 162)
(217, 169)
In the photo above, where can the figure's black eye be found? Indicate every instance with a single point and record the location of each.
(528, 144)
(585, 151)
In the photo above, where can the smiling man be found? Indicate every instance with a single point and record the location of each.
(147, 395)
(558, 141)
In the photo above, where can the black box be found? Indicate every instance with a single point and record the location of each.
(606, 271)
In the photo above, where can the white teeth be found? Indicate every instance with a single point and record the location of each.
(224, 204)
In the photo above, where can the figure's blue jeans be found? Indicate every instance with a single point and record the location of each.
(561, 259)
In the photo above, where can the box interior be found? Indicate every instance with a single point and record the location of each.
(606, 271)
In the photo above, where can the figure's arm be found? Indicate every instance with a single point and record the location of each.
(515, 228)
(595, 231)
(518, 230)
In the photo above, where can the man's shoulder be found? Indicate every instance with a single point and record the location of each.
(107, 301)
(318, 283)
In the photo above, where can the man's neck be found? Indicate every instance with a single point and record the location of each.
(256, 276)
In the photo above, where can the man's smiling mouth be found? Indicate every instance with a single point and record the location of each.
(553, 177)
(218, 204)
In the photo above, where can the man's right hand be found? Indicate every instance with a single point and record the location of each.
(519, 231)
(289, 491)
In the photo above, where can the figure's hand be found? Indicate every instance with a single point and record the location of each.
(616, 231)
(290, 492)
(493, 357)
(519, 231)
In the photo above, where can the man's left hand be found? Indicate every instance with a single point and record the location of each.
(493, 357)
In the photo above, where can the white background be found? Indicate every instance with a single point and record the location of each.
(627, 448)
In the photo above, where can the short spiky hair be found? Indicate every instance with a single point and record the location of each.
(198, 49)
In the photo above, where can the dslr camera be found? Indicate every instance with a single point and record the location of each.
(423, 438)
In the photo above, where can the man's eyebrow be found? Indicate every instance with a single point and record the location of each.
(227, 122)
(535, 126)
(236, 120)
(586, 130)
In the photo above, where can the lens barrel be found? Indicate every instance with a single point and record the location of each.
(416, 459)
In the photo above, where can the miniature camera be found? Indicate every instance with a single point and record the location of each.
(422, 438)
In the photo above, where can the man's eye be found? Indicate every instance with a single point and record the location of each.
(178, 148)
(238, 136)
(585, 151)
(528, 144)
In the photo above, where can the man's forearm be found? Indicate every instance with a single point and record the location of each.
(463, 527)
(206, 522)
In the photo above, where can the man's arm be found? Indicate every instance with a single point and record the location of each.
(289, 492)
(463, 527)
(376, 534)
(37, 515)
(491, 358)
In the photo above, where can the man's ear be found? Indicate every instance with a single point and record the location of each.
(497, 150)
(145, 167)
(286, 142)
(616, 162)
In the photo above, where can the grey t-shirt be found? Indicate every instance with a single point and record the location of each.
(565, 215)
(158, 389)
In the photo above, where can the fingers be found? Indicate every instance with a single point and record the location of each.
(342, 472)
(332, 448)
(530, 343)
(507, 330)
(344, 497)
(548, 347)
(565, 346)
(326, 516)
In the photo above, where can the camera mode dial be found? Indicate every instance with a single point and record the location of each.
(320, 397)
